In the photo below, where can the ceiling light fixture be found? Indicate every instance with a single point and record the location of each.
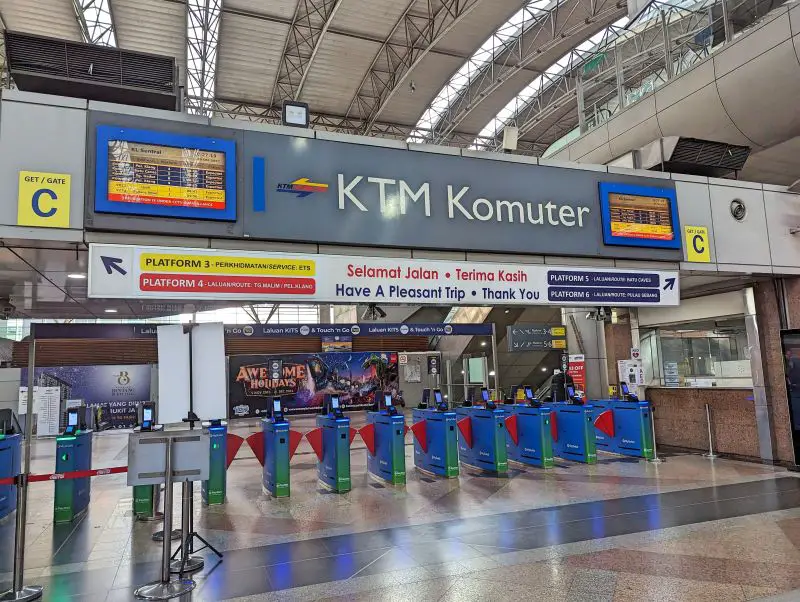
(544, 369)
(483, 343)
(77, 276)
(111, 310)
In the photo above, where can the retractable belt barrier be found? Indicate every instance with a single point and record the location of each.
(58, 476)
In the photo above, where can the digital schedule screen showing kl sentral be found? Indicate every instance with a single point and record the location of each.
(168, 175)
(152, 174)
(641, 217)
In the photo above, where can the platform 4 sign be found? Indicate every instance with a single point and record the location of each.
(165, 273)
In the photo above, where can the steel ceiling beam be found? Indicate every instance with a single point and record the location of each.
(311, 21)
(552, 27)
(96, 21)
(202, 40)
(411, 39)
(237, 109)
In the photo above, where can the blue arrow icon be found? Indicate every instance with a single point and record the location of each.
(113, 263)
(669, 284)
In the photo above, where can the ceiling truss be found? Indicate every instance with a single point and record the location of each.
(550, 30)
(96, 21)
(202, 38)
(312, 19)
(413, 36)
(337, 123)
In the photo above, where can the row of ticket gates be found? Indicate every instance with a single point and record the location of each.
(481, 435)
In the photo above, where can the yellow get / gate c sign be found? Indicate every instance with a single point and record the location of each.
(698, 247)
(43, 199)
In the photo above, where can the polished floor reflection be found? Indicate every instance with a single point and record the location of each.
(688, 529)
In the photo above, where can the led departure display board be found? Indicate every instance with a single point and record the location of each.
(639, 216)
(155, 173)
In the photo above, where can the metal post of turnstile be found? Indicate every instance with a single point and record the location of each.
(167, 587)
(710, 455)
(18, 591)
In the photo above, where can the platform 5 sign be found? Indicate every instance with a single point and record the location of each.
(124, 272)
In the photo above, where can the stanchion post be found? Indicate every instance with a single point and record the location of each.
(655, 459)
(18, 591)
(710, 455)
(187, 563)
(167, 587)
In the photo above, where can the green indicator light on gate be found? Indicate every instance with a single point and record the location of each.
(215, 446)
(64, 457)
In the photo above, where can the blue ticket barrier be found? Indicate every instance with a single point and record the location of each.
(482, 438)
(214, 488)
(276, 457)
(624, 427)
(73, 453)
(331, 442)
(573, 432)
(435, 442)
(384, 436)
(10, 467)
(529, 439)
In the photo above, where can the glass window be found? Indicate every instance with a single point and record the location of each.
(697, 354)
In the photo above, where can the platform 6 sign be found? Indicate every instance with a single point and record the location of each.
(124, 272)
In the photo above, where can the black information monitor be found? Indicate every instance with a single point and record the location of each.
(426, 399)
(72, 421)
(528, 392)
(387, 401)
(485, 394)
(147, 418)
(441, 404)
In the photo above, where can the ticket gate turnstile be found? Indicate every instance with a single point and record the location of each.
(573, 432)
(482, 438)
(529, 434)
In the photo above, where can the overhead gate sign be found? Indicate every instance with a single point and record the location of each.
(125, 272)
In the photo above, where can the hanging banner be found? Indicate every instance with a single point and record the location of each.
(577, 370)
(114, 390)
(305, 379)
(125, 272)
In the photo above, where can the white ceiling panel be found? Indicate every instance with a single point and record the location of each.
(337, 71)
(248, 57)
(475, 28)
(372, 18)
(279, 8)
(153, 26)
(432, 73)
(52, 18)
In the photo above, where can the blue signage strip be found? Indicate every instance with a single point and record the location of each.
(129, 331)
(602, 279)
(605, 296)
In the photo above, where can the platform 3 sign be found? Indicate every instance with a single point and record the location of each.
(125, 272)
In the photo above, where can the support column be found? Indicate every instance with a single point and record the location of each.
(591, 335)
(763, 422)
(776, 302)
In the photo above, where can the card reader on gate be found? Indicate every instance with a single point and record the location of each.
(277, 410)
(490, 405)
(387, 401)
(426, 399)
(530, 398)
(439, 402)
(626, 392)
(72, 421)
(334, 408)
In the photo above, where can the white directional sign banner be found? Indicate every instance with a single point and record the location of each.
(128, 272)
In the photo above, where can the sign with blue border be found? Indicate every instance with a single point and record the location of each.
(639, 216)
(165, 175)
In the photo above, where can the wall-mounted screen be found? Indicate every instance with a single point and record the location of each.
(141, 172)
(639, 216)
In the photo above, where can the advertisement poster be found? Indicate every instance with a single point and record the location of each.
(577, 370)
(113, 390)
(336, 343)
(305, 379)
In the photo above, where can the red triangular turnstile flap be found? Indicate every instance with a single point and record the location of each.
(353, 433)
(465, 426)
(232, 445)
(314, 437)
(295, 437)
(605, 422)
(367, 433)
(554, 425)
(511, 427)
(420, 431)
(405, 430)
(256, 443)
